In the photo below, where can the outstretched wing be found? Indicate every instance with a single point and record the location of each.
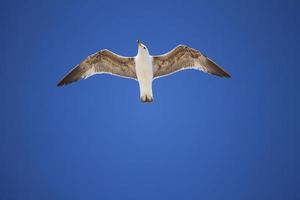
(101, 62)
(183, 57)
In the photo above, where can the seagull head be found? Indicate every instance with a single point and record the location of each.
(141, 47)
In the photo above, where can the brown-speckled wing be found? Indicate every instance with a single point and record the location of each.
(183, 57)
(103, 61)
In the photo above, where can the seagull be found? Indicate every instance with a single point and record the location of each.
(143, 67)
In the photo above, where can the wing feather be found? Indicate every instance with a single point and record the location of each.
(183, 57)
(101, 62)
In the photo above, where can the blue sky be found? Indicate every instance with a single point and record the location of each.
(202, 138)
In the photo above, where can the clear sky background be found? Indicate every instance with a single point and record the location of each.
(203, 137)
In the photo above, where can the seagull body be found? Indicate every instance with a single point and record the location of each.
(144, 73)
(143, 67)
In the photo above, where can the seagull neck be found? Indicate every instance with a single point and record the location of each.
(142, 53)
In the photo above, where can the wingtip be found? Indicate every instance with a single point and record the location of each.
(227, 75)
(61, 83)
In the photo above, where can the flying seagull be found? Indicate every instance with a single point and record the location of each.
(143, 67)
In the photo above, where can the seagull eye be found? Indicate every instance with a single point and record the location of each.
(144, 47)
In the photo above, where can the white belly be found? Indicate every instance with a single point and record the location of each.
(144, 72)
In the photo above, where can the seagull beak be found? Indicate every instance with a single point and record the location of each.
(138, 42)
